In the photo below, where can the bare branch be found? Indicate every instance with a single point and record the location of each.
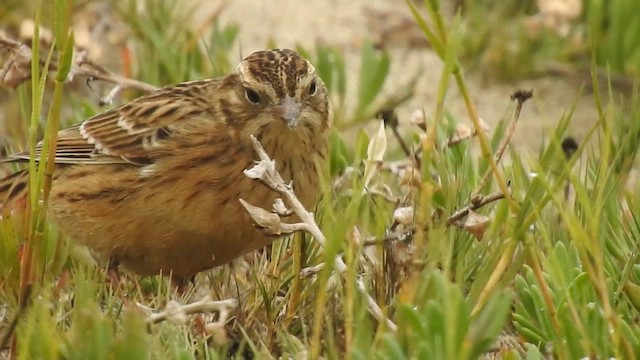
(265, 171)
(271, 222)
(83, 66)
(520, 96)
(405, 235)
(177, 313)
(311, 271)
(17, 69)
(476, 203)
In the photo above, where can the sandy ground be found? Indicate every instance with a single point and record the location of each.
(347, 24)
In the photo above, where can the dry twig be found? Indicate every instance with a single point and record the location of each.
(477, 202)
(265, 171)
(17, 69)
(178, 313)
(520, 96)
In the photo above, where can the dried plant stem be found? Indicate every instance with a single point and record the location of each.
(83, 66)
(265, 171)
(205, 305)
(311, 270)
(476, 203)
(520, 96)
(482, 139)
(16, 69)
(400, 236)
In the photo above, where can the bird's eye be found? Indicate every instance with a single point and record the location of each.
(313, 87)
(252, 96)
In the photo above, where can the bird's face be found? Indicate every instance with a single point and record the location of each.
(282, 88)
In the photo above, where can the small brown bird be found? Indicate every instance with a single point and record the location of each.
(154, 184)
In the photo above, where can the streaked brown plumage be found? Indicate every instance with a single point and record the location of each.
(154, 184)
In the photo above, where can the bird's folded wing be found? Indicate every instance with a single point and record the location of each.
(131, 133)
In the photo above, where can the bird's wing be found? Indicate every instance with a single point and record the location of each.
(132, 132)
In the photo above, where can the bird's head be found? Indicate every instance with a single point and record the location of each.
(278, 89)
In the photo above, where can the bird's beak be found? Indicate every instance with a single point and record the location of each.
(290, 111)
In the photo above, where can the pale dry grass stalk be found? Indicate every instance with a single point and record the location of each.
(177, 313)
(265, 171)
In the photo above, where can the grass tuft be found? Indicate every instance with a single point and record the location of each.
(543, 263)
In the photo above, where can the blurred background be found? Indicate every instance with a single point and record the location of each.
(505, 45)
(552, 269)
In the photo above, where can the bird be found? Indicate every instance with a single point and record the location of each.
(153, 185)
